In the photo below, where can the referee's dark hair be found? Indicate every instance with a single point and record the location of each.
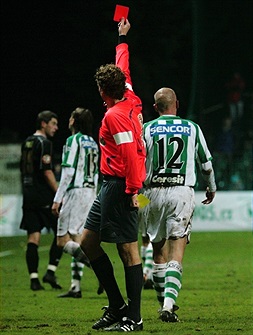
(45, 116)
(83, 120)
(111, 80)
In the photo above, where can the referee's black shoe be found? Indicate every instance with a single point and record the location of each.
(51, 279)
(110, 317)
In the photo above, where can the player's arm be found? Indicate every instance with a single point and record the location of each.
(208, 176)
(67, 174)
(122, 53)
(46, 165)
(133, 182)
(133, 185)
(50, 179)
(204, 160)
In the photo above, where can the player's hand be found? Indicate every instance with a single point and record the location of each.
(134, 201)
(209, 197)
(56, 208)
(123, 26)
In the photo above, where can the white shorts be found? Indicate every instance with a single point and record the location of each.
(75, 208)
(169, 213)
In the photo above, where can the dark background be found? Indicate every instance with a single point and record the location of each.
(50, 51)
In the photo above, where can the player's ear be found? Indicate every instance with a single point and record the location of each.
(43, 124)
(156, 108)
(71, 121)
(177, 104)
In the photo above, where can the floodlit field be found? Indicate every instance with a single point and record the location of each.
(216, 297)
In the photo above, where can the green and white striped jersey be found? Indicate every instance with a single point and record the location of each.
(173, 147)
(81, 153)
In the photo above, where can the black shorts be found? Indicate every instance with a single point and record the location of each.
(34, 220)
(112, 215)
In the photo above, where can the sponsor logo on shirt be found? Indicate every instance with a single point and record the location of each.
(29, 144)
(168, 179)
(175, 129)
(88, 144)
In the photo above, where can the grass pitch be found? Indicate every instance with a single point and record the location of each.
(215, 299)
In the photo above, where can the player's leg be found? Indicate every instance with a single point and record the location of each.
(32, 260)
(55, 252)
(104, 272)
(144, 245)
(71, 245)
(32, 224)
(74, 249)
(146, 251)
(173, 278)
(178, 230)
(100, 261)
(160, 256)
(76, 276)
(71, 221)
(148, 268)
(55, 255)
(129, 254)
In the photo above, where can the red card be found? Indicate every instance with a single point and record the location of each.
(120, 11)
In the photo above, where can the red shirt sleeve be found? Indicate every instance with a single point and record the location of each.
(122, 60)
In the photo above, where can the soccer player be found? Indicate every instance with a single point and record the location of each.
(113, 217)
(39, 186)
(76, 192)
(174, 147)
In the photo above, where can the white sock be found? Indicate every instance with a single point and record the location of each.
(159, 281)
(70, 247)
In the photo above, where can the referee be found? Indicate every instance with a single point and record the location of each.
(113, 217)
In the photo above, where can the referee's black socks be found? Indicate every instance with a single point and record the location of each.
(134, 284)
(103, 269)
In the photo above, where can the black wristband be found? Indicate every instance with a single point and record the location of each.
(122, 39)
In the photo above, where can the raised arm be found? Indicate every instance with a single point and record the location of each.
(122, 54)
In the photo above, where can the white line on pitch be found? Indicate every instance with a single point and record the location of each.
(6, 253)
(11, 252)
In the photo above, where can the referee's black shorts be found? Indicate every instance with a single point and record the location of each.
(111, 214)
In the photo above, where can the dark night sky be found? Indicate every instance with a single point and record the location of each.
(51, 49)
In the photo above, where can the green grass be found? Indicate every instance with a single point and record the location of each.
(216, 297)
